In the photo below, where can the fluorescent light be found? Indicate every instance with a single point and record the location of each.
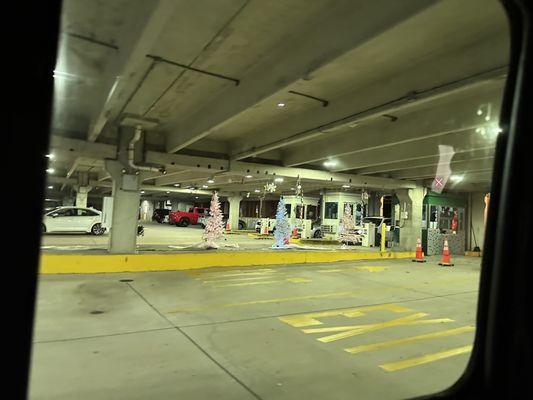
(177, 184)
(345, 186)
(210, 180)
(487, 118)
(248, 176)
(281, 105)
(168, 192)
(205, 186)
(279, 180)
(142, 191)
(196, 197)
(330, 163)
(479, 112)
(457, 178)
(257, 191)
(50, 187)
(50, 170)
(50, 156)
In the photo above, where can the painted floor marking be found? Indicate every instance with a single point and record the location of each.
(347, 294)
(355, 269)
(427, 358)
(407, 340)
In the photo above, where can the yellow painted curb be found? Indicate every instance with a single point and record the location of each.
(98, 263)
(473, 253)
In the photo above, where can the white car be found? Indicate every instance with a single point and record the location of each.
(73, 219)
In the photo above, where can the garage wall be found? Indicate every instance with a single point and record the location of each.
(477, 229)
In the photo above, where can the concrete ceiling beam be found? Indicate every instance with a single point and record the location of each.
(145, 21)
(457, 168)
(291, 60)
(409, 101)
(467, 154)
(454, 115)
(461, 141)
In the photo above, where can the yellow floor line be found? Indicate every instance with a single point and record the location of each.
(427, 358)
(407, 340)
(253, 278)
(249, 283)
(348, 294)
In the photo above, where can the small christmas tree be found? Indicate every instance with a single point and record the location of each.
(282, 230)
(347, 227)
(214, 227)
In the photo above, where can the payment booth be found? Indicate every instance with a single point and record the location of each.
(443, 216)
(301, 211)
(333, 204)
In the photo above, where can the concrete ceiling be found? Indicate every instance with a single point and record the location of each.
(372, 87)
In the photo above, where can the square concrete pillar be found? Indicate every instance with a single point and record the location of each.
(82, 193)
(234, 209)
(126, 198)
(410, 218)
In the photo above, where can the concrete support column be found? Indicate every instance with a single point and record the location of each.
(81, 195)
(234, 207)
(126, 197)
(411, 201)
(147, 209)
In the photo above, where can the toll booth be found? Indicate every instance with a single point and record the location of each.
(333, 204)
(443, 216)
(301, 211)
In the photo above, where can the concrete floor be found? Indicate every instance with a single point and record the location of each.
(243, 333)
(156, 236)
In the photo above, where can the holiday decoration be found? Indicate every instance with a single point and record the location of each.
(270, 187)
(282, 230)
(214, 225)
(347, 227)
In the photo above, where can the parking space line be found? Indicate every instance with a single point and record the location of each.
(407, 340)
(253, 278)
(349, 331)
(249, 283)
(427, 358)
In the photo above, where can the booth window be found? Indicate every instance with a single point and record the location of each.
(331, 210)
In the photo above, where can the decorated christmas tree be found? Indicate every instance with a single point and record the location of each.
(282, 230)
(347, 226)
(214, 227)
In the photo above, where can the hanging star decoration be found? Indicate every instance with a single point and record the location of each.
(270, 187)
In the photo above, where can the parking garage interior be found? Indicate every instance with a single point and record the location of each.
(383, 112)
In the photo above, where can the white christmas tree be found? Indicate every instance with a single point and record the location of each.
(347, 226)
(214, 226)
(282, 230)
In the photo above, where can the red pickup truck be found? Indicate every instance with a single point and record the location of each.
(184, 218)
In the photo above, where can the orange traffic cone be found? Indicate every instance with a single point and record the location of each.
(419, 254)
(294, 232)
(227, 226)
(446, 260)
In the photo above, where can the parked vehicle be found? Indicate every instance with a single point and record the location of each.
(186, 218)
(73, 219)
(202, 220)
(160, 215)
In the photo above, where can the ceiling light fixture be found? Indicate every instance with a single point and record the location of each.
(177, 184)
(211, 180)
(280, 105)
(457, 178)
(330, 163)
(50, 156)
(278, 180)
(142, 191)
(257, 191)
(345, 186)
(248, 176)
(168, 192)
(205, 186)
(50, 187)
(50, 170)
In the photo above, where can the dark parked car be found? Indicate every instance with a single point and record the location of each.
(160, 215)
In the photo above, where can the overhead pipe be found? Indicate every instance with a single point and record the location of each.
(131, 154)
